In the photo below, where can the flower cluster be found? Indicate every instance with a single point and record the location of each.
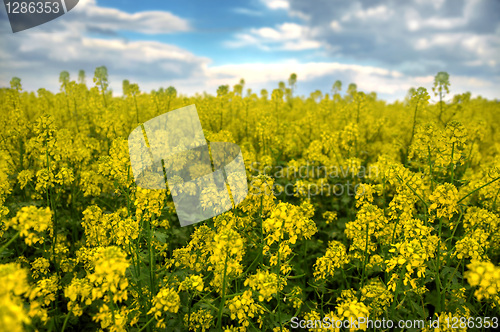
(200, 320)
(14, 282)
(108, 277)
(486, 278)
(287, 219)
(167, 300)
(266, 284)
(334, 258)
(192, 283)
(243, 308)
(32, 223)
(444, 201)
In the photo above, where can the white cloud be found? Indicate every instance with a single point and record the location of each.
(437, 4)
(88, 15)
(483, 48)
(38, 55)
(285, 31)
(378, 13)
(301, 45)
(276, 4)
(390, 84)
(149, 22)
(263, 72)
(246, 11)
(417, 37)
(445, 23)
(368, 78)
(286, 36)
(415, 21)
(335, 25)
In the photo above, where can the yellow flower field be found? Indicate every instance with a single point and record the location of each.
(356, 208)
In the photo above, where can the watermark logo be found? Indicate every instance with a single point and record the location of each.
(26, 14)
(205, 179)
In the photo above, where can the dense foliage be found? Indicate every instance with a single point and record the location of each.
(356, 208)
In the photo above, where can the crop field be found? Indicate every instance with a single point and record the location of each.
(357, 210)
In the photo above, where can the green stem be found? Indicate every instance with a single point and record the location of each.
(10, 241)
(430, 167)
(394, 230)
(450, 278)
(452, 164)
(103, 95)
(51, 205)
(151, 258)
(136, 109)
(461, 199)
(365, 260)
(223, 298)
(65, 321)
(261, 231)
(416, 194)
(189, 311)
(414, 122)
(146, 325)
(278, 295)
(437, 273)
(111, 306)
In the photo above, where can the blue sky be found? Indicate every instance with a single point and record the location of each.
(386, 46)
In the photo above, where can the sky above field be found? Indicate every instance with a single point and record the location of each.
(382, 46)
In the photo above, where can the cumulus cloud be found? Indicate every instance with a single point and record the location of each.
(286, 36)
(39, 54)
(149, 22)
(276, 4)
(418, 37)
